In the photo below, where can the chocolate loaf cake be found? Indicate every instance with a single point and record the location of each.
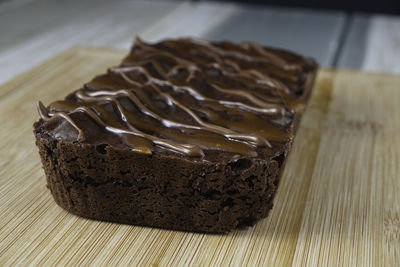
(184, 134)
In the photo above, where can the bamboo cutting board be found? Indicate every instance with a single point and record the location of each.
(338, 202)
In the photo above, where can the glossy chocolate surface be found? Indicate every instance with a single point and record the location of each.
(188, 97)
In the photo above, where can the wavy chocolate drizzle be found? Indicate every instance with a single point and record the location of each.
(189, 96)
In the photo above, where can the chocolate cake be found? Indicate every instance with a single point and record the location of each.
(184, 134)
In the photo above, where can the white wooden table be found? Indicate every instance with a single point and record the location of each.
(32, 31)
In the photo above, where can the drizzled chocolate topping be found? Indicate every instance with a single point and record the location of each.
(188, 97)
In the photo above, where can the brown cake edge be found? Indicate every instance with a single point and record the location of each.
(163, 192)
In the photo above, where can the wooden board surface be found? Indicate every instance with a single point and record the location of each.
(338, 202)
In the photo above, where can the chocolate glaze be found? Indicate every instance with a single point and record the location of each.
(187, 96)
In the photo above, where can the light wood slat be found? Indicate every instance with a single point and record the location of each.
(337, 201)
(40, 29)
(354, 45)
(33, 31)
(118, 19)
(383, 45)
(195, 19)
(309, 32)
(314, 33)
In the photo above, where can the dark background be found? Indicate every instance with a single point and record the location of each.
(372, 6)
(381, 6)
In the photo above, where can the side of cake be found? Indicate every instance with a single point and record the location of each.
(184, 134)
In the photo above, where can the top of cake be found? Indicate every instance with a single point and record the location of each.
(190, 98)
